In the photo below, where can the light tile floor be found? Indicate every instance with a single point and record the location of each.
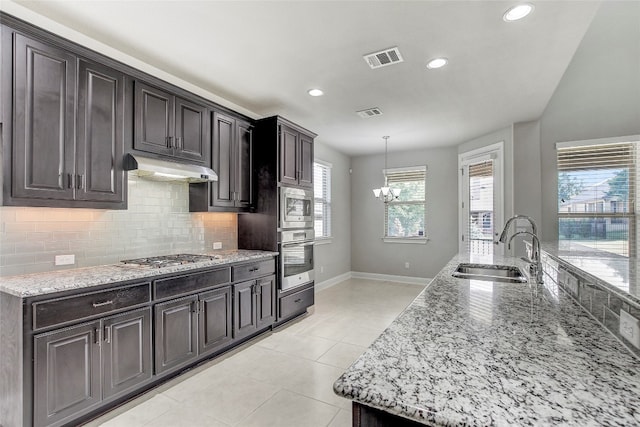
(284, 378)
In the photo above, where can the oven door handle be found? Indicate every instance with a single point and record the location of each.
(289, 244)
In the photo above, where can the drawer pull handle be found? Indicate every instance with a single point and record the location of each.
(102, 304)
(298, 300)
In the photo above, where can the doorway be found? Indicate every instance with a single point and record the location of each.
(481, 200)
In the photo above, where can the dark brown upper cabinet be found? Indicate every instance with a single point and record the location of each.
(231, 159)
(169, 125)
(68, 119)
(296, 157)
(100, 134)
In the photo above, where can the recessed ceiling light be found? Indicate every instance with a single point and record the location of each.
(315, 92)
(517, 12)
(437, 63)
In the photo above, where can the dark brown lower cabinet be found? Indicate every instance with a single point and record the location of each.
(254, 305)
(190, 327)
(126, 351)
(266, 301)
(215, 327)
(82, 369)
(66, 372)
(244, 322)
(366, 416)
(176, 333)
(77, 367)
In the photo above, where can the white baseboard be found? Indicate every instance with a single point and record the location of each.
(333, 281)
(418, 281)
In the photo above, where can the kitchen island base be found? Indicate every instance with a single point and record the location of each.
(366, 416)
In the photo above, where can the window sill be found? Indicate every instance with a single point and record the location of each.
(323, 240)
(410, 240)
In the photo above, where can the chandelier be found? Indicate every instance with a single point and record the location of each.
(386, 193)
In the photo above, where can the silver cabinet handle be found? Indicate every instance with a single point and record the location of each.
(102, 304)
(107, 334)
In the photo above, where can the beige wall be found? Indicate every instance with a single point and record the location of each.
(369, 253)
(334, 258)
(157, 222)
(598, 96)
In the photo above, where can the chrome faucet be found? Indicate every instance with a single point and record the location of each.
(503, 236)
(535, 266)
(535, 263)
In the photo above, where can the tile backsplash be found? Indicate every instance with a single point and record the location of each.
(602, 302)
(157, 222)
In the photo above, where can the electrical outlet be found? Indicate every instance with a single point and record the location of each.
(406, 265)
(322, 269)
(630, 328)
(217, 245)
(65, 259)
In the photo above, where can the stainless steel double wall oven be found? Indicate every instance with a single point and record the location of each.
(296, 237)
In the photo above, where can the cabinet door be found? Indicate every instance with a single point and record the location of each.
(266, 301)
(153, 120)
(66, 372)
(176, 333)
(126, 351)
(43, 145)
(100, 175)
(215, 320)
(191, 130)
(305, 164)
(243, 170)
(244, 310)
(288, 155)
(223, 160)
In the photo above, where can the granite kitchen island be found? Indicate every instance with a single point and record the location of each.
(470, 352)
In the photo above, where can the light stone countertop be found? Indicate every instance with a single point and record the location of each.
(30, 285)
(475, 353)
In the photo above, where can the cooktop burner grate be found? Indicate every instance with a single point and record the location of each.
(169, 260)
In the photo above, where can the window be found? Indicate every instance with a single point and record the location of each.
(596, 194)
(405, 216)
(322, 195)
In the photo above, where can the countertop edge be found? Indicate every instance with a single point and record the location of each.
(86, 278)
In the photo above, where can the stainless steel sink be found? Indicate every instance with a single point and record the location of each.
(490, 272)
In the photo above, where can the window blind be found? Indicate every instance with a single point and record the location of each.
(322, 196)
(405, 216)
(596, 195)
(481, 215)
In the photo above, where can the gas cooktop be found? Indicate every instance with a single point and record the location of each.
(168, 260)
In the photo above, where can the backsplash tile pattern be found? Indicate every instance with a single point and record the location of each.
(593, 296)
(157, 222)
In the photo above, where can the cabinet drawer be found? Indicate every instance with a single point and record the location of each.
(190, 283)
(254, 269)
(295, 303)
(63, 310)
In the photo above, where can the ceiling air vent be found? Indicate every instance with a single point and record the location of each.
(383, 58)
(371, 112)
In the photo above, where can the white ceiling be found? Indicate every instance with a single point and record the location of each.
(265, 55)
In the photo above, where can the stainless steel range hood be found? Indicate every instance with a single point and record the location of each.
(162, 170)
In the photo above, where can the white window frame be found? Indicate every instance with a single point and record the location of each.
(325, 200)
(632, 214)
(421, 240)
